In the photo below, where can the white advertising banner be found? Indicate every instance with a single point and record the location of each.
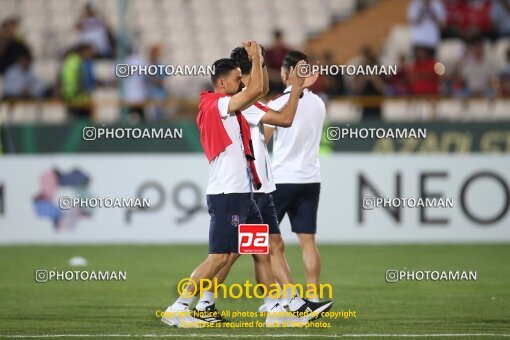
(36, 191)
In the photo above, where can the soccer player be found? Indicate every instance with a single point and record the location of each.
(225, 138)
(257, 115)
(296, 168)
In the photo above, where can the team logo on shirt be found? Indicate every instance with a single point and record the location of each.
(235, 220)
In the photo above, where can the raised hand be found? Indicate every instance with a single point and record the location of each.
(295, 74)
(252, 48)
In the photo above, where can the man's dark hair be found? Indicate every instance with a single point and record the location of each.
(222, 67)
(292, 58)
(240, 57)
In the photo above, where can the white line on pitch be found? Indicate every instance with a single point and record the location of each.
(200, 335)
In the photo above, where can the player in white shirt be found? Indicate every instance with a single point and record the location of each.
(223, 134)
(256, 115)
(296, 168)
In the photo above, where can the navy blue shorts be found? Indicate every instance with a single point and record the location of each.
(227, 211)
(267, 211)
(300, 202)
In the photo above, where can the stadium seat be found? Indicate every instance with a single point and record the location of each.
(108, 111)
(501, 109)
(449, 51)
(53, 113)
(394, 109)
(398, 43)
(23, 113)
(451, 109)
(499, 51)
(342, 9)
(343, 111)
(478, 109)
(46, 70)
(104, 70)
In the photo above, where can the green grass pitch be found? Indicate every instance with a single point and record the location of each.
(357, 273)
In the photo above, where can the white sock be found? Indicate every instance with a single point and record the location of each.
(294, 300)
(205, 301)
(182, 303)
(272, 305)
(314, 299)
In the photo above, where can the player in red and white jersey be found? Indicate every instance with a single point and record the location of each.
(257, 115)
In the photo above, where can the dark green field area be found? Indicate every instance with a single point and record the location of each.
(478, 308)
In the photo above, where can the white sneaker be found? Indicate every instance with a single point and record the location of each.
(181, 319)
(282, 318)
(263, 308)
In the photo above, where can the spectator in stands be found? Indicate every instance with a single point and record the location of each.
(95, 31)
(11, 45)
(323, 86)
(73, 81)
(476, 69)
(273, 59)
(134, 88)
(504, 77)
(399, 83)
(20, 82)
(369, 85)
(466, 18)
(423, 78)
(156, 91)
(335, 85)
(426, 18)
(500, 16)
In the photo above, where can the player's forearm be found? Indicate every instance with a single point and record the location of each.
(265, 82)
(246, 98)
(285, 117)
(288, 112)
(256, 85)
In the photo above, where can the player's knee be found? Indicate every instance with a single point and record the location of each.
(219, 260)
(261, 258)
(277, 246)
(307, 239)
(234, 256)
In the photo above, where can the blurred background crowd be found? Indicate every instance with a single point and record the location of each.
(58, 57)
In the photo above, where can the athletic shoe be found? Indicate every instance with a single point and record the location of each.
(263, 308)
(312, 310)
(211, 314)
(181, 319)
(278, 317)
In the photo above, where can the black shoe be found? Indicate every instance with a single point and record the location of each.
(211, 314)
(313, 310)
